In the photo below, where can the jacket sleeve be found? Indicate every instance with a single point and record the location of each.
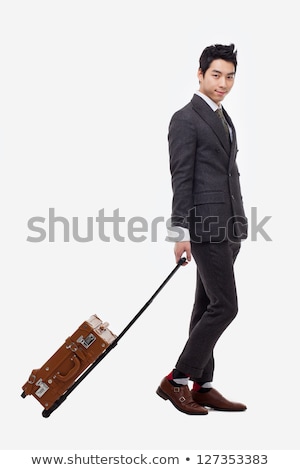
(182, 149)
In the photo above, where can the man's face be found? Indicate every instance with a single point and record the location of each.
(218, 80)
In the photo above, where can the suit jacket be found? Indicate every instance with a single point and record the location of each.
(205, 179)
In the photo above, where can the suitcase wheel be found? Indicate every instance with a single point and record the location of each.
(46, 413)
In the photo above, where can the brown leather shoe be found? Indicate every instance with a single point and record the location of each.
(214, 399)
(180, 397)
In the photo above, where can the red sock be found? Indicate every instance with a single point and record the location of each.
(176, 374)
(170, 376)
(196, 387)
(177, 378)
(203, 387)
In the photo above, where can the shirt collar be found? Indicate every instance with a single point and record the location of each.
(210, 102)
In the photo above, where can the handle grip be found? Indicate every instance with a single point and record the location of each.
(72, 372)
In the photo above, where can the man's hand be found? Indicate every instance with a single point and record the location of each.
(180, 248)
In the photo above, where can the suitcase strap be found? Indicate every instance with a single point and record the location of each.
(74, 348)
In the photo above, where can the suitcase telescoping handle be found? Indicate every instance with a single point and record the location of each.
(57, 403)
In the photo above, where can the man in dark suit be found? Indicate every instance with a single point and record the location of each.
(208, 222)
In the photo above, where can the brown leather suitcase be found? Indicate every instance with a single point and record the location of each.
(81, 349)
(77, 357)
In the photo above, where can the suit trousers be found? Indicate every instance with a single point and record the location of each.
(214, 308)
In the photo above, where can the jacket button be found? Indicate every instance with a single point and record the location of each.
(229, 174)
(232, 196)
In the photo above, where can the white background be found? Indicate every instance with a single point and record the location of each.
(87, 90)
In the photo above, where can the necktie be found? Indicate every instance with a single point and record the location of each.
(220, 114)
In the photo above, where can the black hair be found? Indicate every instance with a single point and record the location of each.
(217, 51)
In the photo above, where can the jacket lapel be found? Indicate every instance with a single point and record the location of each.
(208, 115)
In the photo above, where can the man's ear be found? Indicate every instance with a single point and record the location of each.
(199, 75)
